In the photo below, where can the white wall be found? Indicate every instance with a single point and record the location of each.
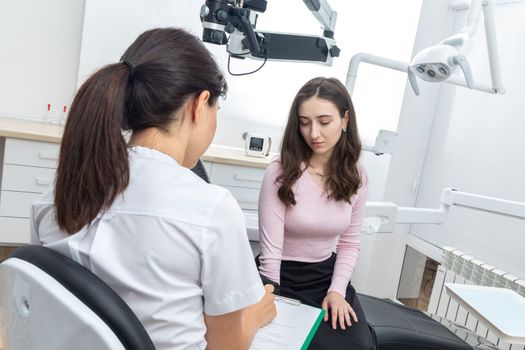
(476, 145)
(39, 53)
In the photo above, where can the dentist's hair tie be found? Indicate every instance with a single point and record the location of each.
(130, 67)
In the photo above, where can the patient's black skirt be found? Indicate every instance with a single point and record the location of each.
(309, 283)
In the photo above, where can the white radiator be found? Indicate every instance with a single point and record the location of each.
(458, 267)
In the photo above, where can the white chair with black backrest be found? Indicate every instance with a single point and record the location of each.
(50, 302)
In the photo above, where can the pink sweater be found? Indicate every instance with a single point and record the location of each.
(309, 230)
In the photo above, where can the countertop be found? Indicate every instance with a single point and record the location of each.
(46, 132)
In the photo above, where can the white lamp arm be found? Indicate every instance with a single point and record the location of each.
(390, 214)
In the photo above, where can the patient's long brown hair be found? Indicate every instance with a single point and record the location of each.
(159, 72)
(344, 178)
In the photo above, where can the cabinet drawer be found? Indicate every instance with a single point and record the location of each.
(238, 176)
(31, 153)
(27, 179)
(247, 198)
(16, 204)
(14, 231)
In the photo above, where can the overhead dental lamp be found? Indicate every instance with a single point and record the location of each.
(437, 63)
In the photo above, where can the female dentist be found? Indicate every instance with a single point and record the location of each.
(172, 246)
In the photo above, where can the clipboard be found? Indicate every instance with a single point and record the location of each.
(292, 329)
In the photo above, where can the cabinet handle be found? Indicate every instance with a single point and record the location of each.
(44, 155)
(242, 178)
(42, 182)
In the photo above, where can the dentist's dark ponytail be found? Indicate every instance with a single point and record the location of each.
(157, 74)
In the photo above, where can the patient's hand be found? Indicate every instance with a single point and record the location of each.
(339, 310)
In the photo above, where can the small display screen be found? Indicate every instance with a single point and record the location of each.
(256, 144)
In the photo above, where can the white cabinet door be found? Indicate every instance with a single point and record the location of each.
(27, 179)
(16, 204)
(31, 153)
(238, 176)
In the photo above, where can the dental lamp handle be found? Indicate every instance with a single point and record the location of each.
(462, 62)
(456, 40)
(413, 80)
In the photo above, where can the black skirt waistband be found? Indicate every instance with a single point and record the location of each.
(308, 282)
(298, 264)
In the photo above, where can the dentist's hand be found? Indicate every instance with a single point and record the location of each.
(266, 307)
(340, 310)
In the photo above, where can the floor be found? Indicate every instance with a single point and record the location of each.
(5, 252)
(429, 275)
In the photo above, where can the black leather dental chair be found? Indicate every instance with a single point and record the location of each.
(397, 327)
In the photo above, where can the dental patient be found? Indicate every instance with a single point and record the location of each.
(311, 199)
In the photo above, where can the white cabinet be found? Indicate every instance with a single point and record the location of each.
(28, 168)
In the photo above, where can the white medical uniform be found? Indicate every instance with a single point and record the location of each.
(172, 246)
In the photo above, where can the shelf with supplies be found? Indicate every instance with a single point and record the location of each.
(29, 152)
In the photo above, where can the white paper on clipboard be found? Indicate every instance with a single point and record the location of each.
(293, 327)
